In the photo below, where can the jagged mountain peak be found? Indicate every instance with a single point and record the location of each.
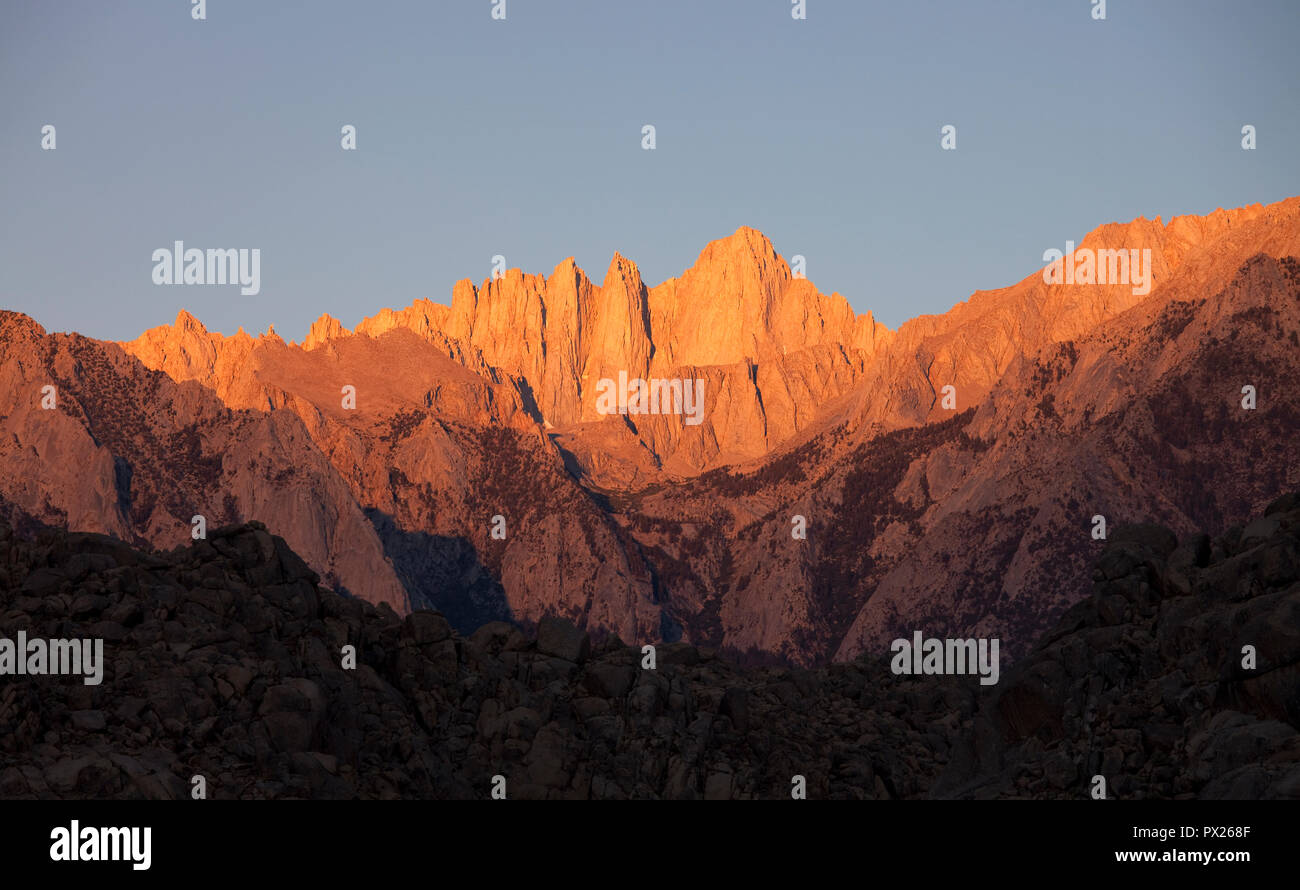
(1070, 402)
(324, 329)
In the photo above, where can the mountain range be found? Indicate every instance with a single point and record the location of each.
(455, 457)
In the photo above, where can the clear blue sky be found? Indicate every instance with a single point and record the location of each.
(523, 138)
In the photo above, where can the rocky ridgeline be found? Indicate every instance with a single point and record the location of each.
(224, 660)
(1070, 406)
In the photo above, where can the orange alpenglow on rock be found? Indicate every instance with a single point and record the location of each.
(972, 446)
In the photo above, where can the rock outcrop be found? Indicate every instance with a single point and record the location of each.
(225, 659)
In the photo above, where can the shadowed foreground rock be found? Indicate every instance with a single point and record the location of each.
(224, 660)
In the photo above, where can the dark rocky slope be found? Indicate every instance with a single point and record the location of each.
(223, 660)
